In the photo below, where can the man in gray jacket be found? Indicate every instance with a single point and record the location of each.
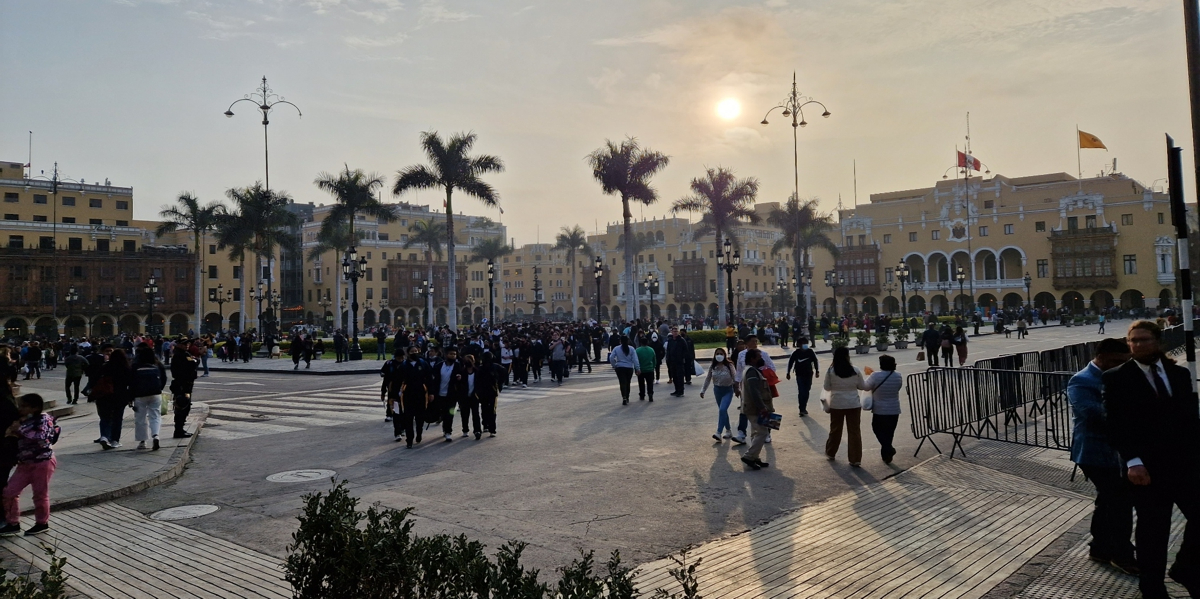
(756, 402)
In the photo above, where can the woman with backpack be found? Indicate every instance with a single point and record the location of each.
(111, 393)
(146, 384)
(885, 386)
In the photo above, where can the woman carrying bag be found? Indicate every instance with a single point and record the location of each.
(884, 386)
(842, 383)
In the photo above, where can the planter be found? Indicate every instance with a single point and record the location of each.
(1067, 323)
(862, 349)
(881, 346)
(901, 345)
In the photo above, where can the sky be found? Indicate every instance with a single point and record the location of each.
(134, 91)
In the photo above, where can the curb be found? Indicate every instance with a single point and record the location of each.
(302, 371)
(168, 473)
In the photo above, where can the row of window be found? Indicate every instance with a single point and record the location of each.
(12, 197)
(66, 220)
(74, 244)
(1089, 222)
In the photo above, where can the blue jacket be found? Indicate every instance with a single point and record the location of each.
(1089, 443)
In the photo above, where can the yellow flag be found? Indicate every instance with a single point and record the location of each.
(1087, 140)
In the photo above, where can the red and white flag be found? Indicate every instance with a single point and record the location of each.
(968, 161)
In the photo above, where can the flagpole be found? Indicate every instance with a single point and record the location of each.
(1078, 159)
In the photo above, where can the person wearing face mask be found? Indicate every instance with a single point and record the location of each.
(804, 363)
(720, 375)
(408, 392)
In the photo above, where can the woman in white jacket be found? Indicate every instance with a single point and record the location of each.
(843, 382)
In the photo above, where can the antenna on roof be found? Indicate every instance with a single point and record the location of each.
(856, 184)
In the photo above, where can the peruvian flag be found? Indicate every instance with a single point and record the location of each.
(967, 161)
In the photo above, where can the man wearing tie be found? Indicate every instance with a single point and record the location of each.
(1154, 423)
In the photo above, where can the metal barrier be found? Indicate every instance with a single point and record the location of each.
(1014, 406)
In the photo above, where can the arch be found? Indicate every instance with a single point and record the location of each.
(698, 311)
(46, 327)
(916, 304)
(414, 316)
(960, 259)
(672, 312)
(466, 315)
(157, 325)
(1072, 300)
(582, 314)
(713, 311)
(829, 306)
(685, 310)
(1014, 300)
(16, 327)
(938, 266)
(1011, 262)
(1101, 300)
(400, 318)
(592, 314)
(368, 318)
(520, 313)
(75, 326)
(962, 302)
(1045, 300)
(891, 305)
(660, 237)
(178, 324)
(1133, 299)
(988, 302)
(212, 323)
(345, 320)
(916, 267)
(614, 314)
(385, 316)
(1164, 298)
(102, 326)
(655, 311)
(849, 306)
(870, 305)
(644, 311)
(129, 324)
(235, 320)
(441, 316)
(939, 304)
(986, 265)
(560, 313)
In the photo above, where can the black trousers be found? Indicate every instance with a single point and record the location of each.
(412, 414)
(884, 427)
(675, 372)
(596, 349)
(488, 408)
(444, 405)
(183, 407)
(73, 380)
(645, 383)
(1112, 520)
(624, 376)
(1170, 485)
(471, 406)
(581, 360)
(931, 354)
(948, 356)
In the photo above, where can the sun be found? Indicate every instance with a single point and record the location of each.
(729, 108)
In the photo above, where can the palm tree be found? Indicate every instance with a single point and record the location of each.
(189, 215)
(804, 227)
(725, 202)
(451, 168)
(234, 233)
(625, 169)
(573, 240)
(432, 235)
(335, 240)
(491, 249)
(264, 223)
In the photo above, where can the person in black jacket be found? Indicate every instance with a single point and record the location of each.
(111, 394)
(689, 359)
(8, 413)
(445, 372)
(804, 363)
(931, 340)
(408, 391)
(676, 359)
(462, 393)
(184, 368)
(487, 391)
(1152, 421)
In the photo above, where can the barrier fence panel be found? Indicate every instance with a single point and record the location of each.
(1014, 406)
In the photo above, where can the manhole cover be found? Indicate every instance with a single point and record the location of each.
(300, 476)
(184, 512)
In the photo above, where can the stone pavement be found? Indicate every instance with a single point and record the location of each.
(283, 364)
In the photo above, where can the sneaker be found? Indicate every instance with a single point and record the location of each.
(717, 437)
(751, 463)
(740, 437)
(10, 530)
(524, 386)
(100, 440)
(114, 445)
(466, 434)
(478, 435)
(449, 438)
(37, 529)
(739, 440)
(155, 445)
(141, 445)
(400, 438)
(761, 463)
(726, 435)
(181, 435)
(387, 418)
(856, 464)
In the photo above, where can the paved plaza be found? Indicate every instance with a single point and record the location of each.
(572, 468)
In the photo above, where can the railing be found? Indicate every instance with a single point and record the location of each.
(64, 186)
(1013, 406)
(1109, 229)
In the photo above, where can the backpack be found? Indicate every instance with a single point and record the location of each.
(104, 387)
(146, 381)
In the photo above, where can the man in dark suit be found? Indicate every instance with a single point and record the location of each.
(1154, 424)
(676, 360)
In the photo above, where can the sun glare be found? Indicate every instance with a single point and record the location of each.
(729, 108)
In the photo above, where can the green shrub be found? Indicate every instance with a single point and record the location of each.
(52, 584)
(339, 551)
(707, 336)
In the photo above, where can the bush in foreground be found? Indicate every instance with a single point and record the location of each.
(340, 551)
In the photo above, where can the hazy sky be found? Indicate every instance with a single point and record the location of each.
(134, 90)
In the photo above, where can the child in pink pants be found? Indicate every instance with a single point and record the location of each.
(35, 433)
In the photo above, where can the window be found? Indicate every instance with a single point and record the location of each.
(237, 272)
(989, 204)
(983, 231)
(887, 237)
(212, 271)
(849, 241)
(68, 220)
(46, 243)
(1127, 219)
(887, 275)
(95, 203)
(1039, 226)
(641, 258)
(712, 286)
(39, 199)
(237, 294)
(122, 205)
(129, 245)
(1089, 221)
(935, 234)
(212, 249)
(1008, 229)
(1072, 223)
(122, 223)
(1130, 264)
(181, 273)
(615, 290)
(383, 293)
(76, 272)
(862, 240)
(11, 217)
(370, 293)
(912, 236)
(383, 274)
(95, 221)
(266, 272)
(75, 244)
(11, 197)
(1043, 268)
(102, 245)
(384, 256)
(370, 274)
(68, 201)
(650, 260)
(1160, 218)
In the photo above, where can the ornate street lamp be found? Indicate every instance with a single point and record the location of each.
(1028, 284)
(902, 273)
(598, 272)
(273, 304)
(354, 268)
(325, 302)
(729, 262)
(793, 106)
(961, 275)
(651, 286)
(426, 293)
(470, 308)
(151, 291)
(833, 281)
(491, 276)
(72, 297)
(220, 296)
(738, 293)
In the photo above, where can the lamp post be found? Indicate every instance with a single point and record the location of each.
(651, 285)
(598, 272)
(943, 286)
(782, 287)
(470, 308)
(265, 99)
(259, 297)
(220, 297)
(151, 290)
(833, 281)
(426, 293)
(1028, 284)
(793, 106)
(72, 297)
(491, 278)
(354, 268)
(729, 262)
(537, 294)
(738, 293)
(273, 304)
(961, 275)
(902, 274)
(325, 302)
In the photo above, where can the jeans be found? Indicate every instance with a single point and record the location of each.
(848, 419)
(1112, 521)
(36, 474)
(646, 384)
(803, 390)
(884, 427)
(73, 380)
(147, 417)
(204, 361)
(624, 376)
(724, 396)
(111, 416)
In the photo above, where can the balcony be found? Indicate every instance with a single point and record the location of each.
(1111, 229)
(67, 187)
